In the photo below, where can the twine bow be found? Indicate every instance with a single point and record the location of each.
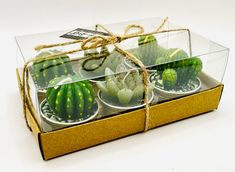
(95, 42)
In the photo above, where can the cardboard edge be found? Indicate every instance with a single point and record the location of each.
(222, 90)
(40, 145)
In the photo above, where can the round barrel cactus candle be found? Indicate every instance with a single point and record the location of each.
(46, 70)
(71, 101)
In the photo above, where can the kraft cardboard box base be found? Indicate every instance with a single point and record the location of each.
(56, 143)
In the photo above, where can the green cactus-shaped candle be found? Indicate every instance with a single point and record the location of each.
(124, 89)
(179, 73)
(46, 70)
(169, 78)
(176, 54)
(169, 55)
(147, 50)
(70, 101)
(161, 52)
(96, 63)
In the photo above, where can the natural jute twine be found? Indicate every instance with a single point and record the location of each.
(91, 43)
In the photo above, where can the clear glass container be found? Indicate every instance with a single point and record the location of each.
(93, 84)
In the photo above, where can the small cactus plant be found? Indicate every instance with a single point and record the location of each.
(122, 88)
(46, 70)
(178, 73)
(70, 101)
(161, 52)
(169, 55)
(147, 50)
(176, 54)
(169, 78)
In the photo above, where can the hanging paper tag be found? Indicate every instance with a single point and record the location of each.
(81, 33)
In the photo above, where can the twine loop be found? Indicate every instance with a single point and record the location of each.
(94, 42)
(128, 29)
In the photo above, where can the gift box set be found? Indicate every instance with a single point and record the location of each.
(88, 86)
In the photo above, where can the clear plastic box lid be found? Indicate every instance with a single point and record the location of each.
(92, 64)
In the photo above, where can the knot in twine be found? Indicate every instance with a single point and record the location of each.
(96, 42)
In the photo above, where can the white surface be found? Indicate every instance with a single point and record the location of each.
(203, 143)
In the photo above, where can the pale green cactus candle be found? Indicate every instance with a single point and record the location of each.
(123, 88)
(147, 50)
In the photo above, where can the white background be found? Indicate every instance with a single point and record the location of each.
(203, 143)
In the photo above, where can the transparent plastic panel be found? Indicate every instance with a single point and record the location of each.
(98, 83)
